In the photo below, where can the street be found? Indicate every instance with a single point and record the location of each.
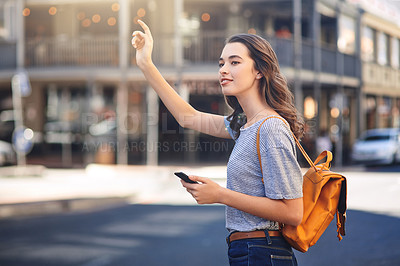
(176, 235)
(130, 235)
(165, 227)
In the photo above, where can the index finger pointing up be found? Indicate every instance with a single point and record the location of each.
(144, 27)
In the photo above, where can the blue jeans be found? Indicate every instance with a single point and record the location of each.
(274, 251)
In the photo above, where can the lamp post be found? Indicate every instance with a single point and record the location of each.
(298, 93)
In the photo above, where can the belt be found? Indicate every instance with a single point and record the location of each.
(253, 234)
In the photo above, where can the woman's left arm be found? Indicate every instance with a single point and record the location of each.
(287, 211)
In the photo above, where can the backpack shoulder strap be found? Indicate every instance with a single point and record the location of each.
(312, 164)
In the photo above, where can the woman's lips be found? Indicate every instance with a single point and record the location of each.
(225, 81)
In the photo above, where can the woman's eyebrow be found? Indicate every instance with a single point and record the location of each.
(231, 57)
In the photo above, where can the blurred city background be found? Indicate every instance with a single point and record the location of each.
(78, 120)
(85, 101)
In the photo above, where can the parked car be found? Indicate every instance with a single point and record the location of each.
(7, 154)
(378, 146)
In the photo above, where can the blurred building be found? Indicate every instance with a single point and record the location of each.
(380, 42)
(89, 102)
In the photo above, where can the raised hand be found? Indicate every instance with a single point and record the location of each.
(143, 43)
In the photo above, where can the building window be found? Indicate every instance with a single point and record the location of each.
(346, 40)
(328, 30)
(383, 49)
(394, 55)
(368, 44)
(7, 20)
(101, 19)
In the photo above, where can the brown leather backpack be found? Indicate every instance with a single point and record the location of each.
(324, 195)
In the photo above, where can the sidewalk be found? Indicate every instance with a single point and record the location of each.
(36, 190)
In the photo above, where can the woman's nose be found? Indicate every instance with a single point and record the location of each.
(223, 70)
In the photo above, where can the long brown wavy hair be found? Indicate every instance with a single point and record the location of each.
(273, 85)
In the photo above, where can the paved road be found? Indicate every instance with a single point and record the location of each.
(130, 235)
(173, 236)
(173, 231)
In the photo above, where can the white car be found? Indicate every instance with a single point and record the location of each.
(378, 146)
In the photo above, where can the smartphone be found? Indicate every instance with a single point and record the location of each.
(185, 178)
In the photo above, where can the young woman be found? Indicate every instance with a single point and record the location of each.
(257, 200)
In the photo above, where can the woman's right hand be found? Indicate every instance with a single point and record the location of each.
(143, 43)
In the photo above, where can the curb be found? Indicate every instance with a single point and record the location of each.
(20, 210)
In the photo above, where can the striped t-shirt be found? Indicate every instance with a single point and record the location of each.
(281, 172)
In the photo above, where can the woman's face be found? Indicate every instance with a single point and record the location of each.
(237, 74)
